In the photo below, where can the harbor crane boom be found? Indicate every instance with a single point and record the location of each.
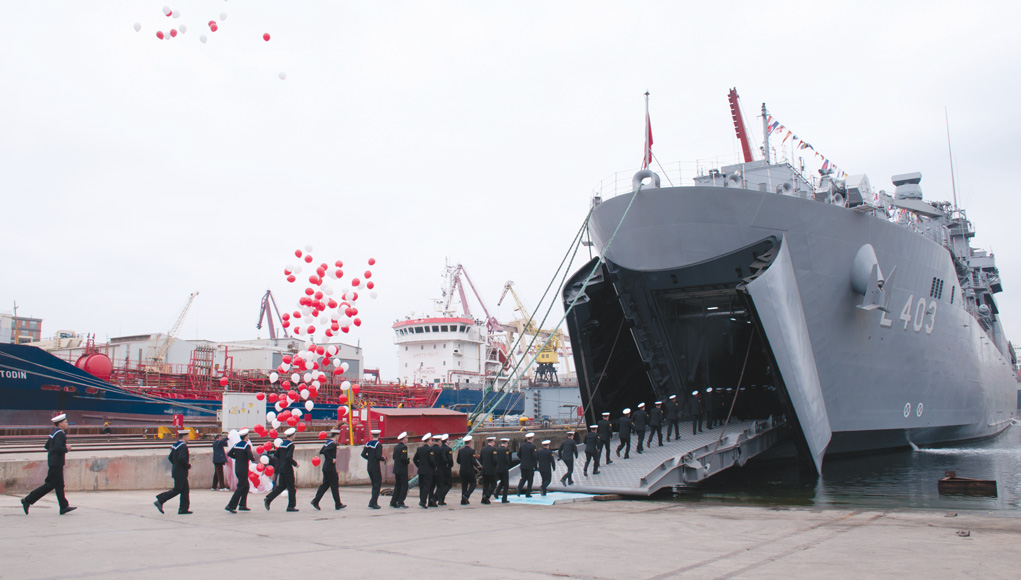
(492, 323)
(160, 349)
(265, 314)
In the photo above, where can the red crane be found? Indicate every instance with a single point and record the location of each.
(742, 132)
(265, 314)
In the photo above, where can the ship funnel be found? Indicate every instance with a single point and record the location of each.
(907, 185)
(641, 176)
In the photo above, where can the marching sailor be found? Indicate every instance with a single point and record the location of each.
(488, 458)
(331, 481)
(503, 464)
(179, 471)
(445, 463)
(625, 434)
(241, 453)
(547, 464)
(591, 450)
(56, 448)
(640, 420)
(401, 461)
(285, 471)
(605, 433)
(527, 457)
(373, 453)
(426, 466)
(567, 453)
(468, 465)
(673, 417)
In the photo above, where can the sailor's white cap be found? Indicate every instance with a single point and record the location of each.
(569, 432)
(593, 426)
(491, 438)
(529, 435)
(659, 402)
(183, 432)
(427, 436)
(606, 413)
(402, 435)
(445, 436)
(708, 389)
(626, 411)
(672, 397)
(59, 418)
(243, 432)
(375, 431)
(290, 431)
(693, 393)
(504, 439)
(641, 405)
(545, 441)
(466, 438)
(334, 431)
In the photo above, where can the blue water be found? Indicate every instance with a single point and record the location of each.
(901, 479)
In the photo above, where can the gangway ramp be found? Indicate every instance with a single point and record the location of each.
(677, 463)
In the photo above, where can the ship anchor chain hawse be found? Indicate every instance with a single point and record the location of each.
(869, 320)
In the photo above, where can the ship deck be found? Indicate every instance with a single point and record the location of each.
(678, 463)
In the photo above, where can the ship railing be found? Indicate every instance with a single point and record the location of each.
(683, 173)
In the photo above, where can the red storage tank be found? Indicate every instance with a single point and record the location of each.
(96, 364)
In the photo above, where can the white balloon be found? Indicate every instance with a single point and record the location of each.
(345, 366)
(309, 405)
(276, 424)
(271, 416)
(296, 413)
(328, 291)
(279, 406)
(345, 385)
(273, 377)
(137, 27)
(297, 269)
(308, 248)
(264, 460)
(336, 362)
(167, 11)
(316, 384)
(295, 378)
(373, 294)
(176, 13)
(223, 16)
(308, 377)
(202, 38)
(278, 442)
(183, 28)
(304, 393)
(282, 75)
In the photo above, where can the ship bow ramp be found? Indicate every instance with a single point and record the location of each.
(727, 335)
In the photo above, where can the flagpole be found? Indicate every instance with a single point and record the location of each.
(648, 135)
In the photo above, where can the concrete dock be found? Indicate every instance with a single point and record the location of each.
(119, 534)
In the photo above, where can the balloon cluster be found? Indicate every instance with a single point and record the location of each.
(301, 375)
(213, 26)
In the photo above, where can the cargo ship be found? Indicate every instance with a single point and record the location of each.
(865, 319)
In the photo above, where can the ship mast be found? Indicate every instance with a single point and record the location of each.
(742, 132)
(765, 134)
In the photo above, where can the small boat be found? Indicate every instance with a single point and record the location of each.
(951, 484)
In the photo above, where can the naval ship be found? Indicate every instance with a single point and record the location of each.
(865, 320)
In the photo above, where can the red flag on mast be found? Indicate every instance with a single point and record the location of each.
(647, 159)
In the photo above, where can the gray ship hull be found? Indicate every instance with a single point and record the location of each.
(753, 292)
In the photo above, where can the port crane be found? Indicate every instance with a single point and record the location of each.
(265, 314)
(159, 350)
(546, 360)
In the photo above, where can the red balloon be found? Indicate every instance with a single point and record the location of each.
(370, 285)
(273, 433)
(358, 321)
(368, 274)
(302, 427)
(159, 34)
(345, 329)
(272, 398)
(339, 264)
(286, 358)
(260, 467)
(296, 313)
(308, 259)
(355, 389)
(355, 282)
(339, 273)
(292, 421)
(269, 471)
(297, 253)
(309, 291)
(173, 32)
(291, 278)
(311, 329)
(224, 381)
(319, 296)
(285, 385)
(316, 461)
(323, 435)
(372, 261)
(284, 415)
(343, 399)
(260, 396)
(213, 27)
(341, 411)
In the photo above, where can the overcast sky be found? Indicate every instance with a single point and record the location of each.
(134, 171)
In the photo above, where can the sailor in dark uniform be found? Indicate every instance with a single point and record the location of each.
(709, 407)
(179, 471)
(547, 463)
(527, 457)
(242, 454)
(503, 465)
(487, 456)
(434, 495)
(693, 408)
(605, 433)
(641, 419)
(426, 466)
(656, 423)
(373, 453)
(567, 453)
(624, 424)
(331, 481)
(445, 465)
(401, 462)
(56, 448)
(673, 418)
(468, 465)
(285, 471)
(591, 450)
